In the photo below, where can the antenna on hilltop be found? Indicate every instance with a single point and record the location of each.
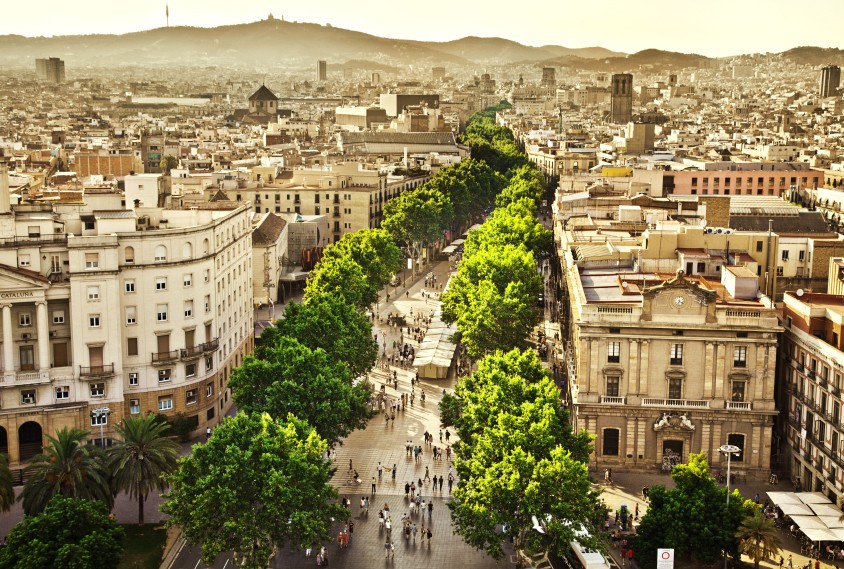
(167, 13)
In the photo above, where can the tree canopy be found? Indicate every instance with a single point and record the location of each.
(71, 533)
(691, 518)
(291, 378)
(258, 484)
(373, 249)
(329, 323)
(343, 278)
(518, 457)
(418, 216)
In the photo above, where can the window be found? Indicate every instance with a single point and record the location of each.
(190, 396)
(613, 382)
(785, 255)
(160, 253)
(58, 317)
(92, 260)
(209, 389)
(188, 309)
(161, 312)
(25, 319)
(62, 392)
(614, 352)
(676, 355)
(187, 280)
(209, 414)
(163, 375)
(611, 438)
(737, 439)
(738, 391)
(133, 379)
(165, 403)
(131, 315)
(740, 356)
(23, 260)
(701, 268)
(94, 320)
(27, 396)
(129, 286)
(134, 406)
(99, 419)
(209, 363)
(675, 388)
(161, 283)
(97, 389)
(207, 275)
(759, 246)
(207, 303)
(190, 370)
(129, 255)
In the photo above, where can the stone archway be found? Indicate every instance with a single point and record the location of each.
(4, 441)
(30, 440)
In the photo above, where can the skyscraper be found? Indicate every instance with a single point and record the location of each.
(321, 70)
(549, 77)
(622, 98)
(51, 69)
(830, 80)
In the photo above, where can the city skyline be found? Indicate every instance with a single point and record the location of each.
(716, 32)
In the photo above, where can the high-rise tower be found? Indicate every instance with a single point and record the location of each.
(830, 81)
(321, 70)
(622, 98)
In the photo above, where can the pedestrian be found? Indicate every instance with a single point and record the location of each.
(427, 476)
(309, 549)
(430, 508)
(419, 485)
(350, 465)
(636, 516)
(380, 520)
(441, 435)
(434, 452)
(388, 525)
(790, 562)
(412, 489)
(441, 484)
(781, 561)
(406, 489)
(387, 547)
(373, 485)
(450, 482)
(429, 534)
(319, 559)
(413, 532)
(394, 472)
(447, 435)
(448, 452)
(207, 433)
(366, 505)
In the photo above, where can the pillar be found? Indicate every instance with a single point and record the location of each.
(633, 369)
(8, 342)
(643, 369)
(43, 336)
(708, 371)
(720, 390)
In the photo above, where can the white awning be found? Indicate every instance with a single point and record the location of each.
(780, 498)
(795, 509)
(808, 522)
(820, 534)
(826, 510)
(813, 498)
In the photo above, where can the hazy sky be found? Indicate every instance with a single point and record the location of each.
(714, 28)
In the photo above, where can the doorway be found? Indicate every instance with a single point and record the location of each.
(29, 440)
(60, 358)
(27, 358)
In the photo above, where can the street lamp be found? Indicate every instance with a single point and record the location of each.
(98, 414)
(729, 450)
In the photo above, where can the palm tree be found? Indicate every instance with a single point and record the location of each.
(141, 459)
(68, 467)
(759, 536)
(7, 491)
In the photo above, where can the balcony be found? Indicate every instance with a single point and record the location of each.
(810, 373)
(609, 400)
(165, 357)
(211, 346)
(738, 405)
(96, 371)
(192, 352)
(34, 239)
(676, 403)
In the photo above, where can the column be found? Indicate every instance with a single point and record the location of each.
(43, 336)
(630, 446)
(708, 371)
(633, 369)
(720, 391)
(643, 370)
(641, 446)
(587, 368)
(8, 343)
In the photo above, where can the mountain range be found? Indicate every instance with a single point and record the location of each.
(276, 43)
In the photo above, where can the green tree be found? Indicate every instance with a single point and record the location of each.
(329, 323)
(417, 217)
(293, 378)
(374, 250)
(258, 484)
(692, 518)
(343, 278)
(167, 163)
(7, 490)
(71, 533)
(518, 458)
(758, 535)
(141, 458)
(512, 224)
(68, 467)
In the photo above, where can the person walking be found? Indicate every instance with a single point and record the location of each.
(447, 435)
(373, 485)
(790, 562)
(450, 482)
(380, 470)
(430, 508)
(406, 489)
(429, 535)
(441, 484)
(394, 472)
(413, 531)
(441, 435)
(427, 476)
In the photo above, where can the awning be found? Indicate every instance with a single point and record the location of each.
(808, 522)
(795, 509)
(832, 522)
(820, 534)
(813, 498)
(826, 510)
(780, 498)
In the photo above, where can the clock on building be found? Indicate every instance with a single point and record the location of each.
(679, 301)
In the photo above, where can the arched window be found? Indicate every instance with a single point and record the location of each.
(129, 255)
(160, 253)
(206, 246)
(187, 250)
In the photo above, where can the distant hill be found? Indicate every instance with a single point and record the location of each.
(808, 55)
(502, 51)
(649, 58)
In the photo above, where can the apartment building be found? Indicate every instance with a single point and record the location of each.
(810, 373)
(133, 311)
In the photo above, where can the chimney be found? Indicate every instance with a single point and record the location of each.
(5, 197)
